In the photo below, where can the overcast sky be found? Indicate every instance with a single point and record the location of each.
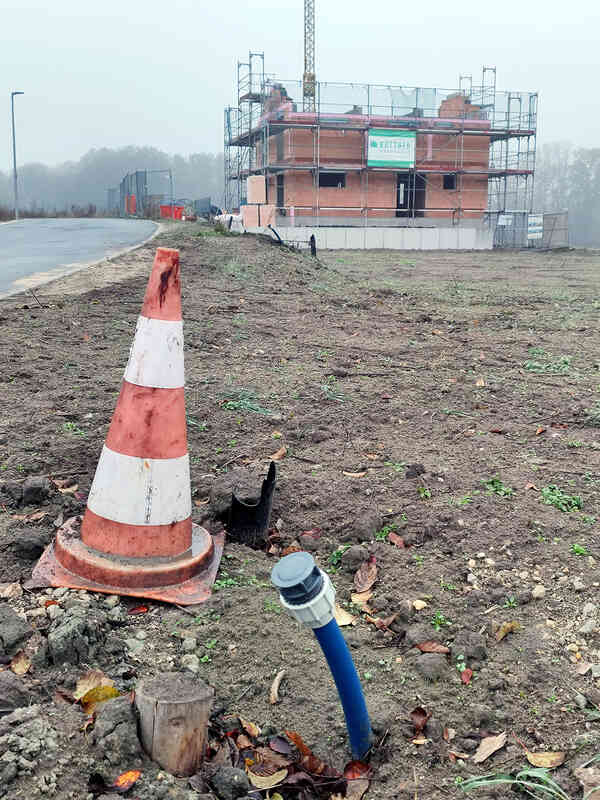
(115, 72)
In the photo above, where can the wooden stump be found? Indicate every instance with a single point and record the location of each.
(174, 711)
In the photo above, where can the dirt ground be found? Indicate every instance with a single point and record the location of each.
(449, 399)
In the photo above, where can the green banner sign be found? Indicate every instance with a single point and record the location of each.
(387, 148)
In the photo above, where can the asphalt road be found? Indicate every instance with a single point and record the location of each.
(42, 249)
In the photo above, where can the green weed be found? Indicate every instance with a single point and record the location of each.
(535, 782)
(579, 549)
(553, 496)
(335, 559)
(558, 367)
(382, 535)
(495, 486)
(424, 493)
(439, 621)
(71, 427)
(244, 400)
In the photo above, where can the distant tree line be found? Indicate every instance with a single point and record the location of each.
(71, 188)
(568, 177)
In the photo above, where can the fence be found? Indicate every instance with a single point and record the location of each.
(519, 229)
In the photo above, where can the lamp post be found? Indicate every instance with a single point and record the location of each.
(14, 143)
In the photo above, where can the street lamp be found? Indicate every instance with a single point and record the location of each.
(12, 108)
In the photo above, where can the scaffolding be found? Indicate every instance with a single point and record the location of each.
(489, 142)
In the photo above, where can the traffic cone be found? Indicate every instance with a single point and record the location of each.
(136, 536)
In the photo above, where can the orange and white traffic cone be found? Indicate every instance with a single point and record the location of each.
(136, 536)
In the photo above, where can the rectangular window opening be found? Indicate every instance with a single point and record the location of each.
(450, 182)
(332, 180)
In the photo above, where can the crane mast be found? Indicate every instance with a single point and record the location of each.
(309, 82)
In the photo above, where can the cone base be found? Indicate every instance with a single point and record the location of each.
(185, 580)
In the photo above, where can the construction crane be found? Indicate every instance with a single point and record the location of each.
(309, 82)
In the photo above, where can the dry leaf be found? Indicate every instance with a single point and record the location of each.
(396, 540)
(366, 575)
(204, 502)
(49, 603)
(372, 456)
(95, 697)
(454, 754)
(449, 734)
(69, 489)
(137, 610)
(279, 454)
(126, 780)
(343, 617)
(381, 624)
(419, 719)
(360, 599)
(89, 723)
(250, 727)
(420, 740)
(583, 667)
(432, 647)
(20, 664)
(9, 591)
(506, 628)
(531, 486)
(546, 760)
(91, 680)
(243, 741)
(540, 431)
(33, 517)
(589, 778)
(466, 676)
(419, 605)
(488, 746)
(266, 781)
(274, 693)
(354, 474)
(479, 382)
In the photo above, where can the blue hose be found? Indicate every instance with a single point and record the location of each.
(348, 685)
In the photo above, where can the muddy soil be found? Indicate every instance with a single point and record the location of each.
(450, 399)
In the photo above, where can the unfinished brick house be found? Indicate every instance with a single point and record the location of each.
(378, 155)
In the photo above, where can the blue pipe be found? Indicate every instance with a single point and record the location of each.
(348, 685)
(306, 592)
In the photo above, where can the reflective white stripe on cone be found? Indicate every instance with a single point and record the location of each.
(156, 355)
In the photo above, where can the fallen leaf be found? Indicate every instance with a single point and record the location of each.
(479, 382)
(266, 781)
(381, 624)
(274, 693)
(137, 610)
(281, 453)
(9, 591)
(292, 548)
(396, 540)
(372, 456)
(583, 667)
(354, 474)
(419, 719)
(366, 575)
(386, 396)
(497, 430)
(356, 769)
(488, 746)
(250, 727)
(360, 599)
(545, 760)
(419, 605)
(35, 516)
(531, 486)
(69, 489)
(437, 333)
(95, 697)
(243, 741)
(506, 628)
(126, 780)
(454, 754)
(49, 603)
(309, 761)
(432, 647)
(589, 778)
(266, 756)
(420, 740)
(313, 533)
(540, 430)
(20, 664)
(343, 617)
(466, 676)
(64, 696)
(91, 680)
(560, 425)
(204, 502)
(280, 745)
(449, 734)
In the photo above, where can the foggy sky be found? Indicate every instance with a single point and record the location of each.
(143, 72)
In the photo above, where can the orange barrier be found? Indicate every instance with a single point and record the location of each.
(136, 536)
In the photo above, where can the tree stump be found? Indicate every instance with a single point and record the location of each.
(174, 710)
